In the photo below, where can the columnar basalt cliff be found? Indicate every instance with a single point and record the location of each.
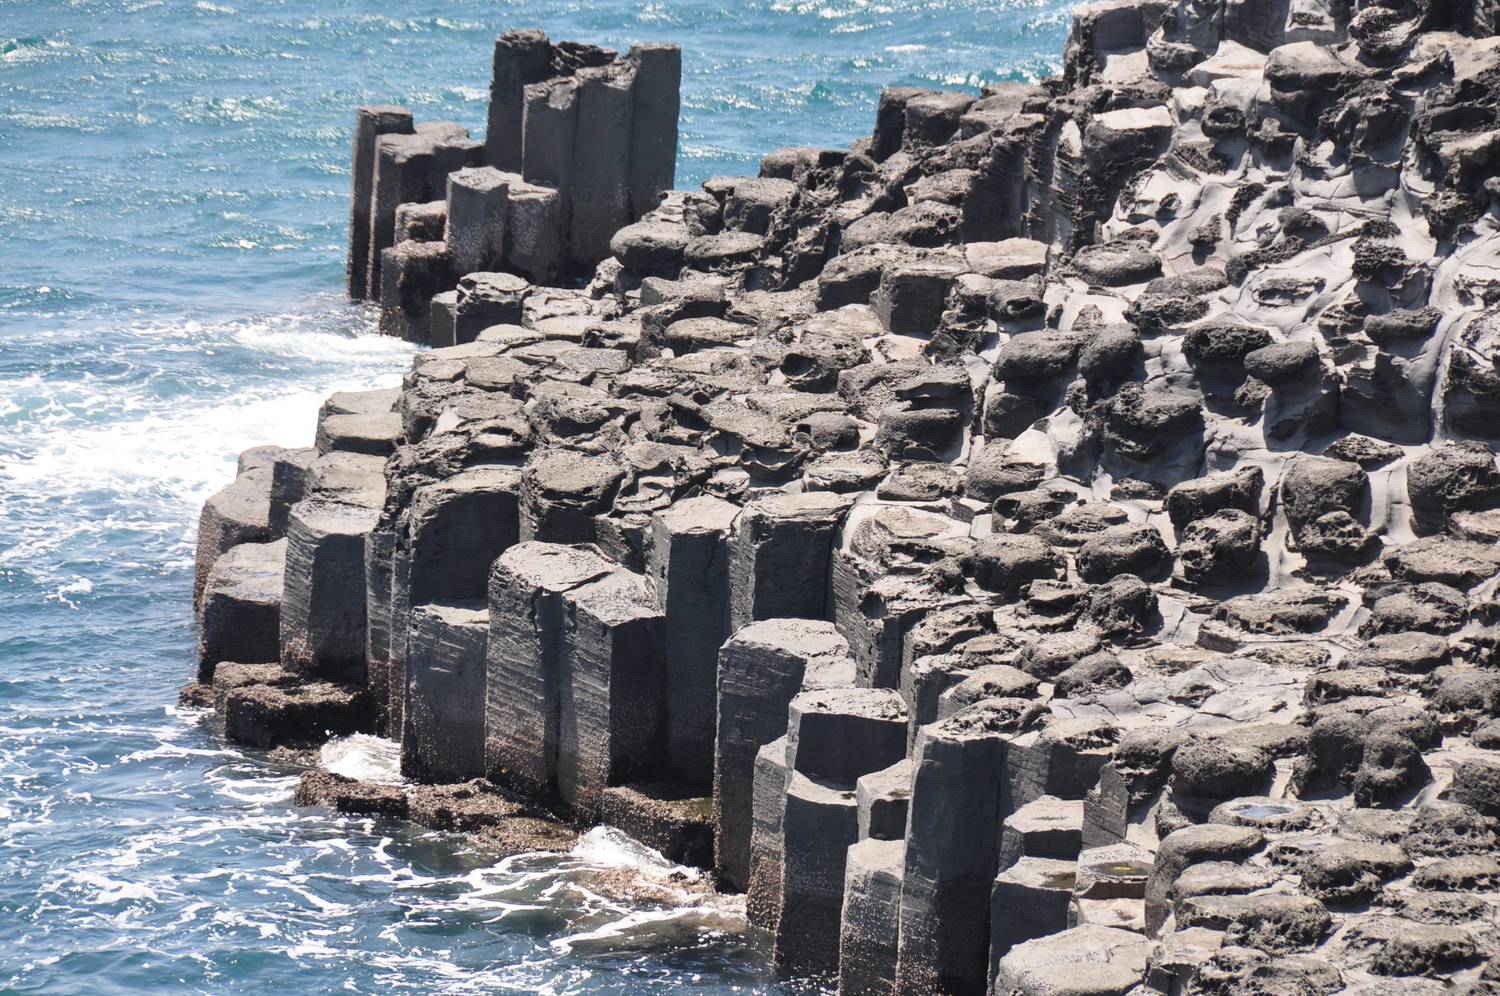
(1048, 547)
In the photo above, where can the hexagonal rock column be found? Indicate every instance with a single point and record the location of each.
(761, 669)
(767, 810)
(483, 300)
(524, 659)
(323, 600)
(833, 737)
(521, 57)
(875, 599)
(952, 845)
(655, 106)
(442, 551)
(1029, 900)
(406, 166)
(562, 491)
(369, 124)
(871, 916)
(601, 162)
(609, 716)
(442, 736)
(239, 513)
(534, 230)
(779, 557)
(478, 204)
(411, 274)
(820, 823)
(688, 561)
(386, 696)
(239, 618)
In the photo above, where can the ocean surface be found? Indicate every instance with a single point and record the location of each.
(173, 183)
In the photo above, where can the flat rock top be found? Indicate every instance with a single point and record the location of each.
(464, 614)
(251, 572)
(615, 599)
(806, 638)
(550, 566)
(321, 518)
(701, 515)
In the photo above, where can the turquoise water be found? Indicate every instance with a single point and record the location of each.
(173, 179)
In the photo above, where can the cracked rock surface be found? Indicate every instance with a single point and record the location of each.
(1047, 547)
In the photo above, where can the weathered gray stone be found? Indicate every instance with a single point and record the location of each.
(521, 57)
(370, 122)
(1086, 961)
(838, 735)
(601, 175)
(562, 491)
(611, 690)
(1029, 900)
(524, 673)
(779, 557)
(952, 850)
(883, 797)
(818, 828)
(323, 599)
(871, 917)
(655, 106)
(665, 817)
(239, 513)
(478, 205)
(239, 618)
(763, 890)
(687, 559)
(761, 669)
(442, 736)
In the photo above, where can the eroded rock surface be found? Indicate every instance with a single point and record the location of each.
(1049, 546)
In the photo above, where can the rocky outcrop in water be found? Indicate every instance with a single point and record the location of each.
(1048, 547)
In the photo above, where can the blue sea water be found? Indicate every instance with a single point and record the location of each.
(173, 182)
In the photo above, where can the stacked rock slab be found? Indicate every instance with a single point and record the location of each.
(581, 142)
(1049, 546)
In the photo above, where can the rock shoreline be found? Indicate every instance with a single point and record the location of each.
(1047, 547)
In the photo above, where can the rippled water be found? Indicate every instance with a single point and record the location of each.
(172, 204)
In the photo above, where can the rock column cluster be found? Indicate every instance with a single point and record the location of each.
(581, 142)
(1047, 547)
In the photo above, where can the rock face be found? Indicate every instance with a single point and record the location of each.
(1049, 546)
(581, 143)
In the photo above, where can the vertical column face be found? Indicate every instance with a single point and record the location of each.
(872, 905)
(523, 667)
(768, 806)
(780, 555)
(403, 168)
(610, 688)
(478, 201)
(601, 162)
(240, 513)
(688, 561)
(534, 231)
(323, 601)
(521, 57)
(655, 110)
(548, 131)
(952, 846)
(369, 124)
(819, 826)
(442, 734)
(458, 528)
(386, 688)
(240, 615)
(761, 669)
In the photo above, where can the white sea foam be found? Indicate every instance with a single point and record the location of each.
(361, 756)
